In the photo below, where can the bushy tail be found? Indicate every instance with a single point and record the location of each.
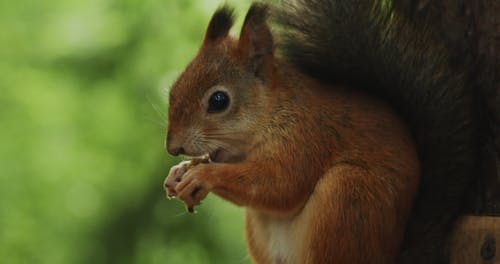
(367, 45)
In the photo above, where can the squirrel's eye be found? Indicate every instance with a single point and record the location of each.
(218, 102)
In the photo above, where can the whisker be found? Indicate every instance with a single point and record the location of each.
(156, 108)
(227, 141)
(220, 137)
(206, 142)
(181, 214)
(225, 146)
(209, 133)
(162, 124)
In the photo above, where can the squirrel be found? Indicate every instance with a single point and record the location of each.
(349, 137)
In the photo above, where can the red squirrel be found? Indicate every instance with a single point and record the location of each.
(346, 140)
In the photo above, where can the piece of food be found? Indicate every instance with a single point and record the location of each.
(177, 172)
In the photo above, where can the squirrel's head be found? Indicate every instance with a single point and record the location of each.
(216, 103)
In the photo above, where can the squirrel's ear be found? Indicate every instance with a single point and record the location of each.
(219, 25)
(256, 40)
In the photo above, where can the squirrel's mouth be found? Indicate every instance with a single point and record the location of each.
(216, 155)
(222, 156)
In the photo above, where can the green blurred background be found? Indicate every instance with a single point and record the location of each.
(83, 103)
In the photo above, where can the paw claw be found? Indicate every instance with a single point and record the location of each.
(196, 190)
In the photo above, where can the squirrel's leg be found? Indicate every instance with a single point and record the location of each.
(349, 215)
(354, 216)
(262, 186)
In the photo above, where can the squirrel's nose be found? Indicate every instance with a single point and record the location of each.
(173, 147)
(176, 150)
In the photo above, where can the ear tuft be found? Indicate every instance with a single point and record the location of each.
(256, 41)
(255, 37)
(220, 24)
(257, 14)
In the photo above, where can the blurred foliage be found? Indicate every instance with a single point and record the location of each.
(83, 92)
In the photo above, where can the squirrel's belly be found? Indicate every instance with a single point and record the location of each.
(280, 242)
(271, 238)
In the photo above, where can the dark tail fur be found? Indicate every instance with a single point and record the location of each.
(367, 45)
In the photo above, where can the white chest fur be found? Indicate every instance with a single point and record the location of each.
(280, 244)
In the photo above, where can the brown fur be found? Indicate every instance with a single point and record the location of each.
(331, 172)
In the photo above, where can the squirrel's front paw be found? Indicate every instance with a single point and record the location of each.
(194, 187)
(175, 175)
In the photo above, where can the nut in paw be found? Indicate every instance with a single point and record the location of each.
(194, 187)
